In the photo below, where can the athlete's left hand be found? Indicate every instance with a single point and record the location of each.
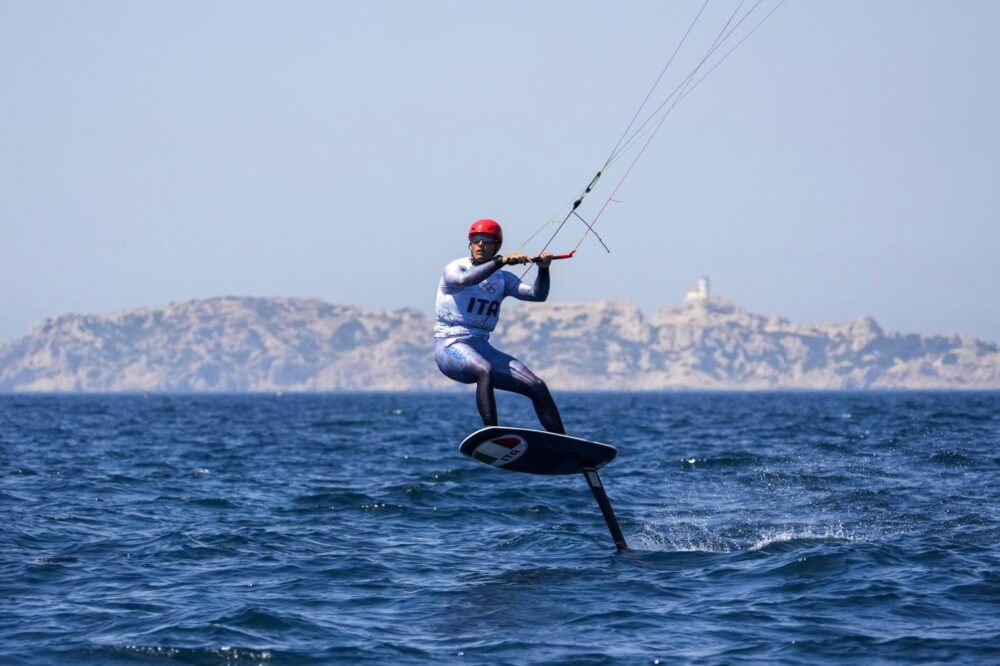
(544, 259)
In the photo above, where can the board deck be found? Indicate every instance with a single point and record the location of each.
(535, 451)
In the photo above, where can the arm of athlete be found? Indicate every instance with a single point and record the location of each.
(457, 276)
(539, 290)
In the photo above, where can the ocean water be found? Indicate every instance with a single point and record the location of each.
(784, 527)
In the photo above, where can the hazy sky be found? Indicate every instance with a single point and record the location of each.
(845, 160)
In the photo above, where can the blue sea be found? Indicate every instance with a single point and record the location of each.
(796, 528)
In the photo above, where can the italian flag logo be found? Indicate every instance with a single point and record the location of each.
(500, 450)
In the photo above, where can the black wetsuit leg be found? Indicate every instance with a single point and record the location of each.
(520, 379)
(486, 401)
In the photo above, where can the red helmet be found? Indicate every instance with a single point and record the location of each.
(489, 227)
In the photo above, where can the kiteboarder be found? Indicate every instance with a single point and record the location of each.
(468, 307)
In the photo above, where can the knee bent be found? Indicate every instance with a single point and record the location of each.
(537, 386)
(482, 371)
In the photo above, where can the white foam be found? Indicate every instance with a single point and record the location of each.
(831, 533)
(685, 537)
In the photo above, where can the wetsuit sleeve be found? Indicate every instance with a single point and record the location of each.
(457, 277)
(538, 291)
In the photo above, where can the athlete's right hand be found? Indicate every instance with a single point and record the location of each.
(516, 259)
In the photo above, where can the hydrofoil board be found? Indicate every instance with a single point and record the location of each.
(535, 451)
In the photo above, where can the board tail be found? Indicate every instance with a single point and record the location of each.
(596, 487)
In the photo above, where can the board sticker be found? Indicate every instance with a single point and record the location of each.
(500, 451)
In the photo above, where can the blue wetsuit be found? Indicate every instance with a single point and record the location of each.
(468, 307)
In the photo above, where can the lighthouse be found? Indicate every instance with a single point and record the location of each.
(701, 294)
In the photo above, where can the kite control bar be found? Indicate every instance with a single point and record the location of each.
(568, 255)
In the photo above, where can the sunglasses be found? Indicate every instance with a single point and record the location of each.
(482, 240)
